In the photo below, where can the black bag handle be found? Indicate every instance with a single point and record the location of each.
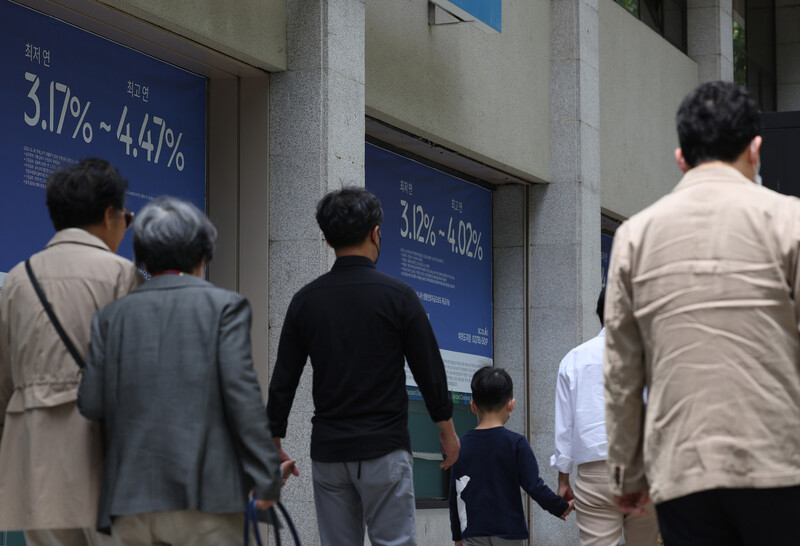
(53, 319)
(289, 524)
(251, 520)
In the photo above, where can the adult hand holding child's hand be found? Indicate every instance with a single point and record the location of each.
(569, 509)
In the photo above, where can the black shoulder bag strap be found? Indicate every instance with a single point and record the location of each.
(47, 307)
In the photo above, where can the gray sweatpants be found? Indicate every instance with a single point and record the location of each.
(491, 541)
(377, 494)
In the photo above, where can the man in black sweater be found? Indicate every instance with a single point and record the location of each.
(359, 326)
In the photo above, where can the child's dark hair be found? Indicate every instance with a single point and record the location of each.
(492, 388)
(601, 306)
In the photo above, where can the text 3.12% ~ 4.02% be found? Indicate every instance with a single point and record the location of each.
(464, 239)
(420, 228)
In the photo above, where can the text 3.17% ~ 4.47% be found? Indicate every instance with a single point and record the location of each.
(71, 103)
(61, 100)
(145, 139)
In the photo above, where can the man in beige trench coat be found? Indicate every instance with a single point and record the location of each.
(51, 458)
(703, 308)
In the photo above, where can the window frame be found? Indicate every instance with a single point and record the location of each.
(637, 8)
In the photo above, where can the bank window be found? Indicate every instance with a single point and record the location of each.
(667, 17)
(437, 237)
(754, 58)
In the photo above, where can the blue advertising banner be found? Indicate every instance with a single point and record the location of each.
(487, 14)
(437, 236)
(68, 94)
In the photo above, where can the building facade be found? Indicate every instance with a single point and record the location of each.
(565, 115)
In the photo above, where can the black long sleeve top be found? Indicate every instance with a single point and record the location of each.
(484, 486)
(358, 325)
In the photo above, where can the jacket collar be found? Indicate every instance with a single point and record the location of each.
(711, 174)
(77, 236)
(167, 282)
(347, 262)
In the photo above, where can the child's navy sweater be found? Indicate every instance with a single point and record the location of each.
(484, 486)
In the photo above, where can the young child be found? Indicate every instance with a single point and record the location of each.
(485, 502)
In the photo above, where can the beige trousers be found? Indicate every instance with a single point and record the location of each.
(179, 528)
(599, 521)
(66, 537)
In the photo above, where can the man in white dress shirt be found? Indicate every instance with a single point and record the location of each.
(581, 442)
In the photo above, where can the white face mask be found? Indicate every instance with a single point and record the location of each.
(757, 178)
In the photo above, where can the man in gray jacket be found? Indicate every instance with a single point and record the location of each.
(170, 374)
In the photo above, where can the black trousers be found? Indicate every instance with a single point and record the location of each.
(732, 517)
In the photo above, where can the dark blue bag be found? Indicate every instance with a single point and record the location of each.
(251, 520)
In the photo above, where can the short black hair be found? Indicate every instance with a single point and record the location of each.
(601, 305)
(347, 216)
(492, 388)
(170, 233)
(78, 194)
(717, 121)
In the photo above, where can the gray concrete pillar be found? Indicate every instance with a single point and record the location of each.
(787, 37)
(316, 144)
(509, 304)
(564, 233)
(710, 38)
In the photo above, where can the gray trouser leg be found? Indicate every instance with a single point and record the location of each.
(387, 492)
(340, 517)
(376, 493)
(491, 541)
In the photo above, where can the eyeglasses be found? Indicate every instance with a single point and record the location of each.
(128, 218)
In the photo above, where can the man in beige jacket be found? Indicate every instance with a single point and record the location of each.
(702, 308)
(50, 456)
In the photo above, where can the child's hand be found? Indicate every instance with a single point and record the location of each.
(568, 510)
